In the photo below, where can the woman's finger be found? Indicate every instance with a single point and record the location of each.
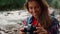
(43, 33)
(37, 31)
(22, 32)
(38, 27)
(21, 29)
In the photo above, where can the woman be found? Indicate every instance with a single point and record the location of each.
(40, 18)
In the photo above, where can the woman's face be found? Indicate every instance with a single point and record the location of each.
(34, 8)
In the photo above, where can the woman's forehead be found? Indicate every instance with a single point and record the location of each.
(33, 3)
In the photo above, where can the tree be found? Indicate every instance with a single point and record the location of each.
(49, 2)
(54, 3)
(11, 4)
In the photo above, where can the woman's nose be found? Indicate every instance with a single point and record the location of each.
(34, 10)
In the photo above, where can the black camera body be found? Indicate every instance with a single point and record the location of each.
(29, 29)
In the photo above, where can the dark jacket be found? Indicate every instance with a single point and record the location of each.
(53, 29)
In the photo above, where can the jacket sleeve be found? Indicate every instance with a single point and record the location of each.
(54, 26)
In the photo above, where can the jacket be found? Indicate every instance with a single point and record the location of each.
(53, 29)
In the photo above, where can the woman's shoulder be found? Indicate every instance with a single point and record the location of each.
(54, 20)
(54, 26)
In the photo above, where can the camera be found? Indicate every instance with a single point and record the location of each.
(29, 29)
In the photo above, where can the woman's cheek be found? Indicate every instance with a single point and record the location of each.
(30, 11)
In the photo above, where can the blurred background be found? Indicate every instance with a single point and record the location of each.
(18, 4)
(12, 14)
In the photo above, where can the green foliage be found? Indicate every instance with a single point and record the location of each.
(54, 3)
(49, 2)
(11, 4)
(18, 4)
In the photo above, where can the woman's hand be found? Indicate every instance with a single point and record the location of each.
(21, 31)
(40, 30)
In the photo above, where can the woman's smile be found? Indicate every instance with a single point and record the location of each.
(34, 8)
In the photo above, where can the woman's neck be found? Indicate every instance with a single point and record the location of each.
(38, 18)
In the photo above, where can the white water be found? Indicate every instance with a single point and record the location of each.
(11, 19)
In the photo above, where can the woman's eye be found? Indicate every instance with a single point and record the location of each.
(37, 7)
(30, 7)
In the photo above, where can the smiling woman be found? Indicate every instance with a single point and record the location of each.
(40, 18)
